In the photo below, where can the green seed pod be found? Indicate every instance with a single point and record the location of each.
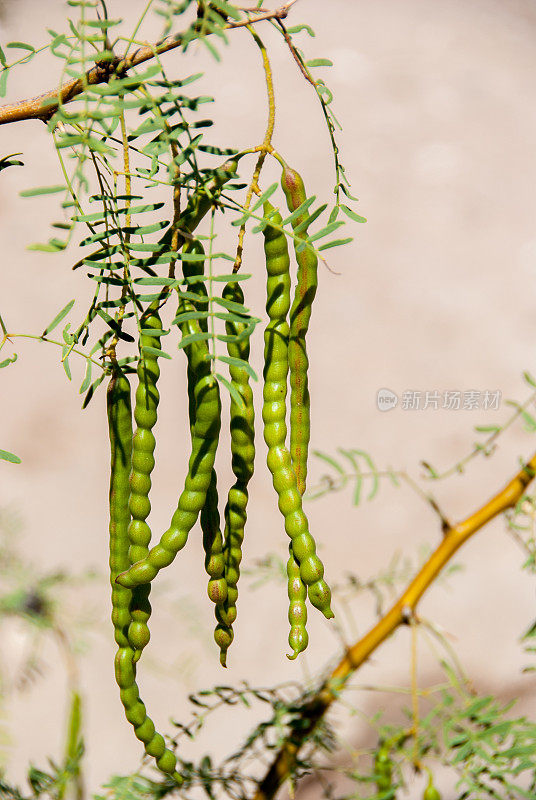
(298, 638)
(243, 458)
(143, 445)
(206, 399)
(210, 518)
(136, 714)
(213, 545)
(300, 315)
(273, 413)
(120, 432)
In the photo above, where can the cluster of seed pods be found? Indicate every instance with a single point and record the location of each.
(133, 563)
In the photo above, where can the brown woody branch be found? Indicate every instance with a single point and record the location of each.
(43, 106)
(400, 613)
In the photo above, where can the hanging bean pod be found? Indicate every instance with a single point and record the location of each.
(204, 443)
(136, 713)
(120, 432)
(300, 315)
(143, 445)
(273, 414)
(298, 637)
(243, 457)
(210, 518)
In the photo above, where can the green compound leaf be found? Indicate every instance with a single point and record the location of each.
(5, 455)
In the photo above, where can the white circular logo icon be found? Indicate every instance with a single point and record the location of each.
(386, 400)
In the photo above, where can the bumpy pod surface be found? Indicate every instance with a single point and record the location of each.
(300, 315)
(213, 545)
(143, 445)
(120, 433)
(204, 443)
(243, 458)
(298, 637)
(136, 713)
(273, 414)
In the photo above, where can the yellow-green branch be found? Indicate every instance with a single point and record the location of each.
(43, 106)
(400, 613)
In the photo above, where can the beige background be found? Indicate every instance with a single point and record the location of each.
(437, 102)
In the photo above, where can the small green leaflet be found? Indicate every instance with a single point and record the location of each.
(3, 82)
(232, 278)
(230, 305)
(42, 190)
(264, 196)
(319, 62)
(153, 332)
(240, 364)
(298, 28)
(154, 351)
(58, 318)
(194, 337)
(65, 361)
(114, 326)
(352, 214)
(8, 361)
(10, 161)
(87, 379)
(7, 456)
(302, 227)
(529, 379)
(21, 46)
(335, 243)
(235, 394)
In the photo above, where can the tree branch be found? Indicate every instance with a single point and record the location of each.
(43, 106)
(400, 613)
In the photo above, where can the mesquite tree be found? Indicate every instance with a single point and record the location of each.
(146, 197)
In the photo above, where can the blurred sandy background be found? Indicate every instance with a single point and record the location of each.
(438, 106)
